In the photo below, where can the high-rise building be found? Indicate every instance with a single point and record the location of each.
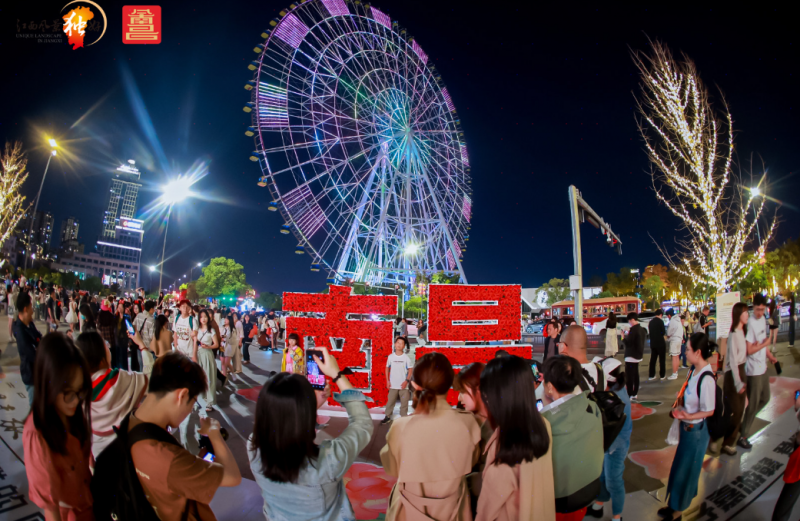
(122, 235)
(121, 203)
(42, 235)
(69, 230)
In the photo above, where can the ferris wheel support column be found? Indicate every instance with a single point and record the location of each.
(444, 226)
(351, 237)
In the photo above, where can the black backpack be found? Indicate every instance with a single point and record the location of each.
(612, 408)
(116, 490)
(718, 422)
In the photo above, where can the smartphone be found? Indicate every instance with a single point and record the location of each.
(539, 404)
(314, 375)
(129, 327)
(209, 457)
(535, 372)
(796, 395)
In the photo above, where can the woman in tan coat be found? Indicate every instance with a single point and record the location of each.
(432, 451)
(518, 476)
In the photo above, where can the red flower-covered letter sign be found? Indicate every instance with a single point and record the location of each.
(456, 313)
(368, 363)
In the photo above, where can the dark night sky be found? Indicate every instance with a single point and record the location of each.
(544, 95)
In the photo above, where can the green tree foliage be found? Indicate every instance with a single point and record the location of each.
(443, 278)
(416, 307)
(603, 294)
(269, 300)
(92, 284)
(781, 262)
(556, 289)
(595, 281)
(222, 276)
(653, 289)
(621, 284)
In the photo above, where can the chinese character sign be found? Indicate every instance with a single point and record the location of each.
(462, 313)
(141, 24)
(367, 360)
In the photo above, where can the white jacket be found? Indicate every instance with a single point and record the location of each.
(675, 329)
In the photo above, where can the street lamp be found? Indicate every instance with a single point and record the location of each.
(192, 270)
(152, 269)
(172, 193)
(53, 147)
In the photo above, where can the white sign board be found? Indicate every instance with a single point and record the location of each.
(725, 302)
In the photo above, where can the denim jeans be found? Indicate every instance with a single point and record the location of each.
(612, 485)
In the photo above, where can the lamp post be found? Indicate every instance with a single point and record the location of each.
(173, 192)
(152, 269)
(791, 285)
(191, 272)
(53, 146)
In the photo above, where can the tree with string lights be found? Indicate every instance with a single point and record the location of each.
(13, 174)
(691, 152)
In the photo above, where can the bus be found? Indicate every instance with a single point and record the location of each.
(596, 309)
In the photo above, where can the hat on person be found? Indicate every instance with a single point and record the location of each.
(609, 365)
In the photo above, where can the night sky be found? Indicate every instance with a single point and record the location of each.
(544, 94)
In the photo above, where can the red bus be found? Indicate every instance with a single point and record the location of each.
(596, 309)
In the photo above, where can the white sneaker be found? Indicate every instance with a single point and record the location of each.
(635, 398)
(674, 376)
(651, 379)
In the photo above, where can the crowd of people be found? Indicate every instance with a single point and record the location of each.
(528, 440)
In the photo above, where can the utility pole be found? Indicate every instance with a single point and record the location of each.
(580, 211)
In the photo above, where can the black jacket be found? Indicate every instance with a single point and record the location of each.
(634, 342)
(28, 338)
(657, 333)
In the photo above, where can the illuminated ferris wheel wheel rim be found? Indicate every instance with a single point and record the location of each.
(337, 154)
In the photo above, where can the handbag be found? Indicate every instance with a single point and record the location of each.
(674, 435)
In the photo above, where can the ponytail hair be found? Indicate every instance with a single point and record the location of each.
(701, 342)
(434, 375)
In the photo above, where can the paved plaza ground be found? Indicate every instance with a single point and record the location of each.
(742, 487)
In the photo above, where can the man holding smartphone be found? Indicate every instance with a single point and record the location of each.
(398, 374)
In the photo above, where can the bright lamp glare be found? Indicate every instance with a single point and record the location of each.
(52, 142)
(199, 264)
(176, 191)
(152, 268)
(411, 249)
(755, 191)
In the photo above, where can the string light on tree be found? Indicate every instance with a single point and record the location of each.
(691, 155)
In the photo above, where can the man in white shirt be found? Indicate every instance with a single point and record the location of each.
(398, 374)
(675, 338)
(185, 331)
(758, 394)
(574, 343)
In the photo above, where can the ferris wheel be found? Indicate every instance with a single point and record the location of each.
(359, 144)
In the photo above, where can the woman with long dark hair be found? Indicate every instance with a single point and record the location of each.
(518, 476)
(57, 433)
(735, 376)
(431, 476)
(295, 474)
(207, 341)
(611, 335)
(468, 384)
(87, 318)
(247, 327)
(115, 393)
(161, 344)
(696, 401)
